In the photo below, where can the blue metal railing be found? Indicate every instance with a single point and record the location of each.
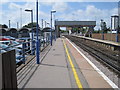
(27, 49)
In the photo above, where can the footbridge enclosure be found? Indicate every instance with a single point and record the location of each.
(79, 24)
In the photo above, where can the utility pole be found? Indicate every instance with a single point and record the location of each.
(17, 25)
(9, 23)
(21, 16)
(102, 28)
(42, 23)
(45, 23)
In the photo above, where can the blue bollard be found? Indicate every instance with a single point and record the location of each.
(51, 40)
(117, 39)
(37, 52)
(23, 52)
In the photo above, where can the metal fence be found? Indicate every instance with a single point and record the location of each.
(28, 49)
(27, 53)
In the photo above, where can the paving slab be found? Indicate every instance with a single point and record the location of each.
(56, 72)
(53, 71)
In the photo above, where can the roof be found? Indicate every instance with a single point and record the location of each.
(47, 29)
(115, 16)
(5, 29)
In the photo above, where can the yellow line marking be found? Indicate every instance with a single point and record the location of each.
(73, 68)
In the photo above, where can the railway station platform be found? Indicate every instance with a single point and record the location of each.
(64, 66)
(114, 46)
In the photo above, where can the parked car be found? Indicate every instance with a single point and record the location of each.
(2, 51)
(21, 40)
(5, 48)
(43, 40)
(8, 42)
(12, 44)
(8, 48)
(11, 38)
(3, 38)
(16, 44)
(27, 43)
(19, 59)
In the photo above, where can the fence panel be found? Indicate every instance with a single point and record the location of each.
(0, 72)
(9, 70)
(108, 36)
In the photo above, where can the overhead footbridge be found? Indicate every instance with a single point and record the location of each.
(78, 24)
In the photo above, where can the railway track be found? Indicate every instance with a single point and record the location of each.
(104, 56)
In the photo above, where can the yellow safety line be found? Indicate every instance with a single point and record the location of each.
(73, 68)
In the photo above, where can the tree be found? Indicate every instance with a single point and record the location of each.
(107, 29)
(0, 25)
(74, 30)
(104, 26)
(3, 26)
(29, 25)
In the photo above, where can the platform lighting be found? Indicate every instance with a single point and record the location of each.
(51, 25)
(30, 10)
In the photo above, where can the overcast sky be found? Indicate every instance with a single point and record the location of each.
(65, 10)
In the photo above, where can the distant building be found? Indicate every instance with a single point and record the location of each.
(114, 22)
(119, 12)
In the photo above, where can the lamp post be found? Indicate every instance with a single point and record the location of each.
(17, 25)
(102, 28)
(21, 16)
(48, 24)
(55, 28)
(29, 10)
(42, 23)
(45, 24)
(51, 25)
(43, 32)
(9, 23)
(117, 31)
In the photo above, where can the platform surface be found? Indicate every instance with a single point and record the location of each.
(99, 40)
(55, 70)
